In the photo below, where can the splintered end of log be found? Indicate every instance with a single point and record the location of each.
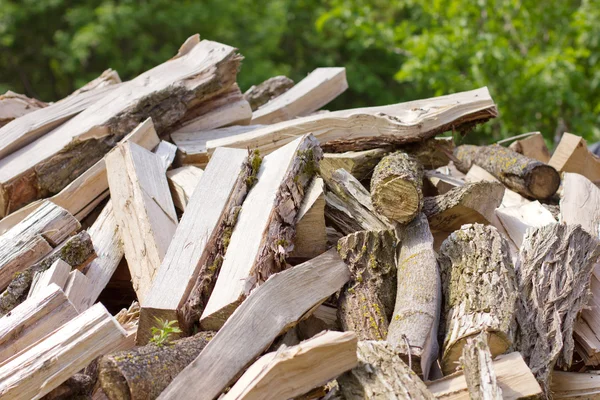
(543, 181)
(479, 371)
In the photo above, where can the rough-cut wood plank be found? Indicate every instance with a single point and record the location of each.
(418, 297)
(376, 126)
(480, 291)
(510, 199)
(166, 93)
(573, 385)
(533, 146)
(14, 105)
(166, 152)
(263, 234)
(359, 164)
(381, 374)
(234, 347)
(514, 378)
(50, 362)
(143, 209)
(311, 236)
(516, 220)
(58, 273)
(191, 264)
(33, 320)
(182, 182)
(572, 155)
(78, 291)
(292, 371)
(319, 88)
(478, 370)
(260, 94)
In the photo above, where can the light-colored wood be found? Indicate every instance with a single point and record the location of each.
(14, 105)
(478, 370)
(510, 199)
(235, 346)
(572, 155)
(443, 183)
(514, 378)
(375, 126)
(70, 348)
(311, 237)
(292, 371)
(182, 182)
(319, 88)
(166, 152)
(78, 291)
(263, 234)
(573, 385)
(143, 209)
(34, 319)
(58, 273)
(194, 243)
(359, 164)
(532, 146)
(516, 220)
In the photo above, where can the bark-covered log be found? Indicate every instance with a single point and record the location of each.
(260, 94)
(144, 372)
(480, 291)
(431, 153)
(418, 297)
(478, 369)
(381, 374)
(367, 302)
(396, 187)
(553, 273)
(359, 164)
(526, 176)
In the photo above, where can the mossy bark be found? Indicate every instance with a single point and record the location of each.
(478, 369)
(260, 94)
(367, 302)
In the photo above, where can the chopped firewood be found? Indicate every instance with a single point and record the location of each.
(510, 199)
(443, 183)
(396, 187)
(526, 176)
(191, 265)
(50, 362)
(142, 373)
(431, 153)
(418, 298)
(78, 291)
(348, 205)
(58, 273)
(367, 302)
(313, 92)
(478, 369)
(191, 146)
(359, 164)
(34, 319)
(516, 220)
(14, 105)
(533, 146)
(166, 152)
(182, 182)
(292, 371)
(513, 376)
(572, 155)
(480, 291)
(311, 236)
(143, 209)
(554, 270)
(22, 131)
(573, 385)
(271, 88)
(381, 374)
(324, 318)
(368, 128)
(165, 93)
(235, 346)
(467, 204)
(265, 228)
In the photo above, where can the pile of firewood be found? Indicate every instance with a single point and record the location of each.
(277, 251)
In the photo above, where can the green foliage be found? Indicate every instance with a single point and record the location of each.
(162, 334)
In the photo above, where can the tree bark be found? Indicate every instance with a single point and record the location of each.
(396, 187)
(260, 94)
(480, 290)
(478, 369)
(528, 177)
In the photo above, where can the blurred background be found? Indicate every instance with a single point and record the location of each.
(538, 58)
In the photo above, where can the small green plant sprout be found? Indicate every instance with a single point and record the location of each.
(162, 334)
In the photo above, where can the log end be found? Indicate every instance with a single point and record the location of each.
(397, 199)
(497, 341)
(113, 383)
(543, 181)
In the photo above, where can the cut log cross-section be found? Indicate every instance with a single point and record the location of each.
(182, 182)
(58, 273)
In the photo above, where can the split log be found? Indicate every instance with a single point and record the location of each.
(441, 182)
(478, 370)
(533, 146)
(191, 265)
(470, 203)
(313, 92)
(396, 187)
(301, 288)
(431, 153)
(528, 177)
(324, 318)
(311, 236)
(418, 298)
(14, 105)
(381, 374)
(34, 319)
(292, 371)
(144, 372)
(516, 220)
(182, 182)
(143, 209)
(166, 151)
(366, 304)
(547, 311)
(514, 379)
(166, 93)
(573, 385)
(260, 94)
(265, 228)
(368, 128)
(572, 155)
(510, 199)
(480, 291)
(47, 364)
(57, 274)
(348, 205)
(359, 164)
(78, 291)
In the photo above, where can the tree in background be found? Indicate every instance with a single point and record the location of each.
(539, 59)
